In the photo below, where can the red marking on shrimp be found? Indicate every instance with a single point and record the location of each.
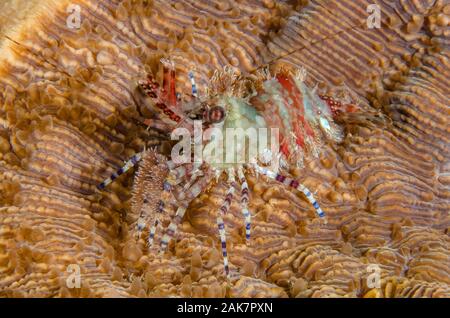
(169, 85)
(297, 99)
(338, 107)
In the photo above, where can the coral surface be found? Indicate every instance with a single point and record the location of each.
(66, 123)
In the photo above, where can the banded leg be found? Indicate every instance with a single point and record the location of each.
(293, 184)
(181, 172)
(171, 230)
(151, 236)
(191, 191)
(176, 175)
(128, 165)
(222, 231)
(165, 196)
(244, 203)
(193, 84)
(140, 226)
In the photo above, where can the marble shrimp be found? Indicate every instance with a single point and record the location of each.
(303, 119)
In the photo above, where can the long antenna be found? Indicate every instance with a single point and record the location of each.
(310, 44)
(313, 43)
(35, 54)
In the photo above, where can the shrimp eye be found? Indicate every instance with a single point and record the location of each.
(216, 114)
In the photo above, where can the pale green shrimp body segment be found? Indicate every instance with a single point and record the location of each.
(242, 138)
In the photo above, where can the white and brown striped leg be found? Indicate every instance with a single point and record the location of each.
(128, 165)
(222, 231)
(193, 84)
(244, 203)
(160, 210)
(140, 226)
(176, 175)
(182, 172)
(142, 222)
(192, 189)
(166, 194)
(293, 184)
(151, 235)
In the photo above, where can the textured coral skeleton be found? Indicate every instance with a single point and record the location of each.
(285, 103)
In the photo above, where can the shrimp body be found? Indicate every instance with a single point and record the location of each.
(259, 125)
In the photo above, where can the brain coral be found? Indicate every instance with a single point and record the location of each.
(66, 108)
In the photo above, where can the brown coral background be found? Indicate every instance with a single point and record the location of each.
(66, 108)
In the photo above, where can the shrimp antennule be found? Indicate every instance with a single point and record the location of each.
(193, 84)
(128, 165)
(222, 231)
(244, 202)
